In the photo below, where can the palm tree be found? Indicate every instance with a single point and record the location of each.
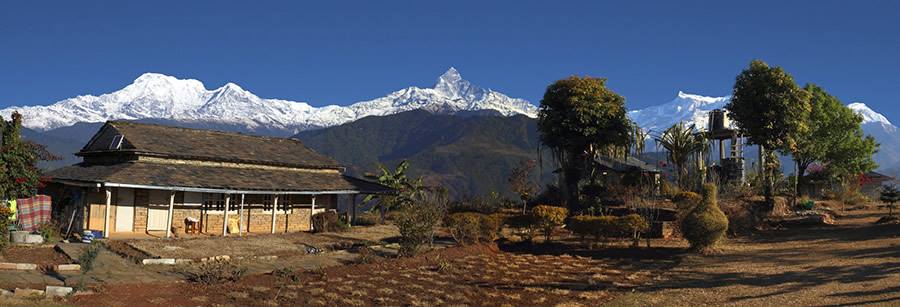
(683, 147)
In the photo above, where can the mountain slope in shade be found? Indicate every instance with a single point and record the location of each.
(157, 96)
(470, 155)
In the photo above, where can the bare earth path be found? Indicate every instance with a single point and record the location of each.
(852, 263)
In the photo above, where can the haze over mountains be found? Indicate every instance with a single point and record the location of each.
(457, 141)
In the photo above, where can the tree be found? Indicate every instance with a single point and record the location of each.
(834, 138)
(682, 145)
(17, 160)
(579, 116)
(397, 180)
(889, 196)
(771, 110)
(706, 224)
(521, 181)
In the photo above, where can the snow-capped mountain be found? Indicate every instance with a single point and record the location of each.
(158, 96)
(694, 109)
(688, 108)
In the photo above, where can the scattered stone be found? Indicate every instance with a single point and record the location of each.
(68, 267)
(183, 261)
(58, 291)
(27, 292)
(163, 261)
(7, 266)
(4, 292)
(26, 266)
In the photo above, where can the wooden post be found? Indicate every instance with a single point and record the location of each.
(225, 215)
(106, 215)
(353, 210)
(241, 218)
(274, 210)
(171, 212)
(312, 212)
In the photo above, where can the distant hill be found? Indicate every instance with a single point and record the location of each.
(470, 155)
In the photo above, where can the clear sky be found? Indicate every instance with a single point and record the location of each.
(338, 52)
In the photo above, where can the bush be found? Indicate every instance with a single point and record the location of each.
(806, 204)
(50, 232)
(485, 205)
(216, 272)
(686, 200)
(631, 225)
(547, 218)
(417, 220)
(600, 227)
(706, 224)
(367, 219)
(328, 221)
(471, 227)
(522, 224)
(668, 190)
(5, 213)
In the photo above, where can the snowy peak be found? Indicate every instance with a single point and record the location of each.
(692, 109)
(870, 116)
(159, 96)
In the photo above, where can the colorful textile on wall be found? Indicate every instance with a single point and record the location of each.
(33, 211)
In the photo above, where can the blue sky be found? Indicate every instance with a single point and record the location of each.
(338, 52)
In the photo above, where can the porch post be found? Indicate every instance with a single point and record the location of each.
(241, 218)
(274, 210)
(353, 211)
(225, 215)
(312, 212)
(106, 215)
(169, 216)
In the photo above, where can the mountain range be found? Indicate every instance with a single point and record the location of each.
(156, 96)
(458, 133)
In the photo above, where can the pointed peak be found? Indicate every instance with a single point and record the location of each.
(451, 76)
(869, 115)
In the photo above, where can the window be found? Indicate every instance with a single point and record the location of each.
(116, 143)
(215, 202)
(284, 203)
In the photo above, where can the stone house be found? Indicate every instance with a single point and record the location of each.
(146, 178)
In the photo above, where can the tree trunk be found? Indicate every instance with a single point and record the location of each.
(767, 177)
(524, 206)
(796, 183)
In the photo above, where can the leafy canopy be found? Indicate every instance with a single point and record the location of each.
(768, 106)
(578, 112)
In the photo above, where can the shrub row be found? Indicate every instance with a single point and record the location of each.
(607, 226)
(473, 227)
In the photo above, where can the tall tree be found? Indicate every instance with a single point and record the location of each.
(578, 116)
(834, 138)
(771, 110)
(682, 145)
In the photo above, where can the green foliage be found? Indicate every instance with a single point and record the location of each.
(366, 219)
(397, 180)
(328, 221)
(547, 218)
(771, 110)
(486, 205)
(49, 231)
(216, 272)
(5, 213)
(834, 138)
(706, 224)
(686, 201)
(683, 146)
(578, 116)
(417, 219)
(523, 225)
(471, 227)
(889, 195)
(20, 178)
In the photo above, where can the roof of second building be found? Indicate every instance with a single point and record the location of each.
(187, 143)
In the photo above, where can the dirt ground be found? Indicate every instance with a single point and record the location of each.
(259, 244)
(852, 263)
(43, 256)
